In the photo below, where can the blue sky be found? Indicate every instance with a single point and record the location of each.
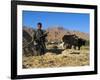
(70, 21)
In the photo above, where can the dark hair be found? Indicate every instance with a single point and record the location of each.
(39, 24)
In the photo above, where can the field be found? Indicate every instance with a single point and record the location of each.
(58, 58)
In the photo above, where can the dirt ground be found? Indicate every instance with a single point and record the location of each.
(58, 58)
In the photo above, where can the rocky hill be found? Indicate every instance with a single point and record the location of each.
(55, 34)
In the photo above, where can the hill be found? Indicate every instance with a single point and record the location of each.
(55, 33)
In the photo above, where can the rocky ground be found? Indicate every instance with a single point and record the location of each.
(58, 58)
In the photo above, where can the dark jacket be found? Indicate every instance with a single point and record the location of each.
(39, 36)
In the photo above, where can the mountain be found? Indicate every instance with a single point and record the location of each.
(56, 33)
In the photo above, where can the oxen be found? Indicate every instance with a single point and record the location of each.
(81, 42)
(72, 40)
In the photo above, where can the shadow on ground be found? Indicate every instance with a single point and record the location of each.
(55, 51)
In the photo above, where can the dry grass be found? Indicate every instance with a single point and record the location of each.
(67, 57)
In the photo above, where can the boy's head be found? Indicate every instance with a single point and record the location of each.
(39, 25)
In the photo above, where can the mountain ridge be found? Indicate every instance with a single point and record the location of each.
(56, 33)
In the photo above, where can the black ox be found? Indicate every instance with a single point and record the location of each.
(73, 40)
